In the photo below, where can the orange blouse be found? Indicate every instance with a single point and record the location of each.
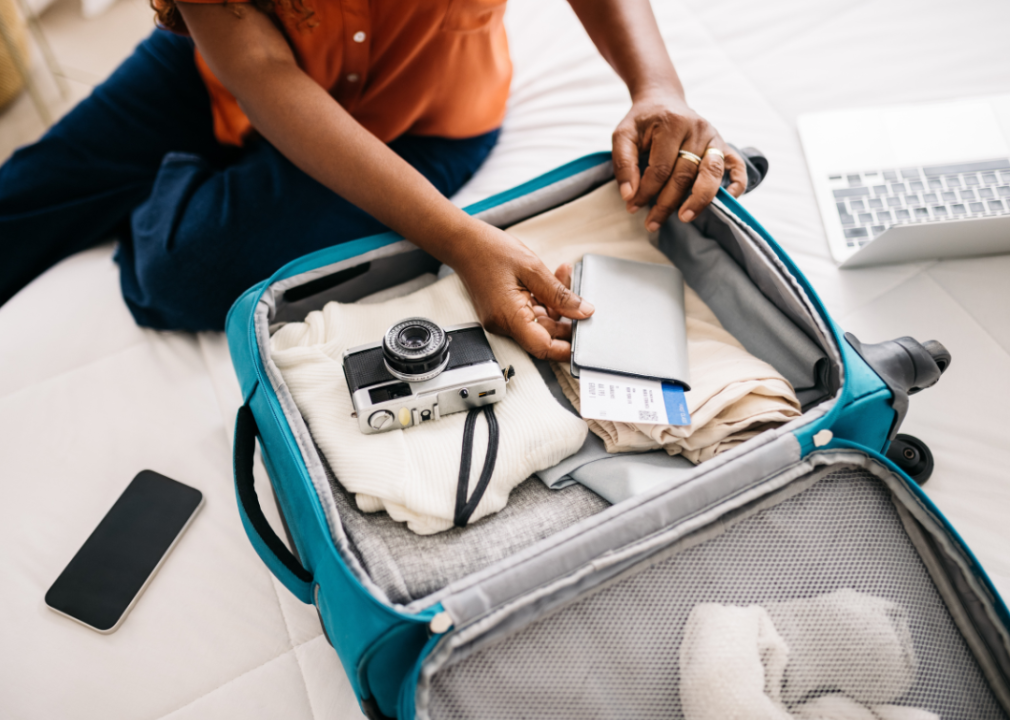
(425, 67)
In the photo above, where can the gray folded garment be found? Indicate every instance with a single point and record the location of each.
(408, 566)
(615, 476)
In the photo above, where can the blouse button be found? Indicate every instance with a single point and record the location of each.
(353, 77)
(359, 37)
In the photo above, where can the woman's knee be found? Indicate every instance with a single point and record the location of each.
(174, 269)
(175, 290)
(207, 234)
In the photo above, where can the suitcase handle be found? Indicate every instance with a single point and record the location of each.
(282, 563)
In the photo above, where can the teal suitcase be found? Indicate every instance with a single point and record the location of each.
(590, 621)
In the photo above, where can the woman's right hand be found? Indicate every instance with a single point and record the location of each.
(516, 295)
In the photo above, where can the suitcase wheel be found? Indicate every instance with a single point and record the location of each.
(940, 354)
(913, 456)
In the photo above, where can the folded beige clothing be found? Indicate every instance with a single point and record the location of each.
(734, 396)
(412, 473)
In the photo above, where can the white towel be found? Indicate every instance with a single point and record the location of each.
(851, 642)
(771, 662)
(833, 707)
(840, 707)
(901, 712)
(731, 664)
(734, 396)
(412, 473)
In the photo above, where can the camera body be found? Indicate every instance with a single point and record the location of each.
(419, 372)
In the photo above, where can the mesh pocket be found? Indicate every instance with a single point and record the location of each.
(831, 570)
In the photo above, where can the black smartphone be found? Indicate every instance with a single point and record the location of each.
(110, 571)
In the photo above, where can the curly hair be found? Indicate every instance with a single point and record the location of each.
(167, 15)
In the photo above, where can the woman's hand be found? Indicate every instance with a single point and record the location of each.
(663, 124)
(659, 122)
(516, 295)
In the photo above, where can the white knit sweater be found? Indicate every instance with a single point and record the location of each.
(412, 474)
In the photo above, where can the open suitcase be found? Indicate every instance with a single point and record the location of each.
(590, 621)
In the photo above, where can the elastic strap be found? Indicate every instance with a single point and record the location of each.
(464, 507)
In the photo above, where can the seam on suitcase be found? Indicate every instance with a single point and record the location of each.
(547, 197)
(934, 527)
(990, 666)
(938, 533)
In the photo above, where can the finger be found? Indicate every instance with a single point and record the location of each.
(553, 295)
(564, 275)
(625, 154)
(685, 171)
(666, 143)
(556, 328)
(537, 341)
(737, 172)
(541, 311)
(705, 187)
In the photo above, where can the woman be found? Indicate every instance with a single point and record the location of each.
(299, 124)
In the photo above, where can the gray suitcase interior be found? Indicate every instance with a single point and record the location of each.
(758, 524)
(605, 643)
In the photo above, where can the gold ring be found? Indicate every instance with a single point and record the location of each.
(690, 156)
(715, 151)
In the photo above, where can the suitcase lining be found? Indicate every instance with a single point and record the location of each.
(837, 528)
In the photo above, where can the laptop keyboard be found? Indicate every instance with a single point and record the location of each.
(870, 202)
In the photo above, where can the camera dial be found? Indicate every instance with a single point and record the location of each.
(415, 350)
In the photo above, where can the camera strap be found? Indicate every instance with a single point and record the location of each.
(465, 507)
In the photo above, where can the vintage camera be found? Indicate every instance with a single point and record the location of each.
(420, 372)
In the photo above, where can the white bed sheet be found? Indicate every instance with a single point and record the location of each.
(87, 399)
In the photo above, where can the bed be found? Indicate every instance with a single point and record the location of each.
(87, 399)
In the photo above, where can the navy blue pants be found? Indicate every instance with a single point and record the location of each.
(198, 222)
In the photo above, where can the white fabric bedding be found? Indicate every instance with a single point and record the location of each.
(87, 399)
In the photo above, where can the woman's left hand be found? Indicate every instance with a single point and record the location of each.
(663, 124)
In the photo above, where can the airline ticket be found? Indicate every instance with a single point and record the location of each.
(620, 398)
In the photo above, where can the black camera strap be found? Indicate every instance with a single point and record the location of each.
(464, 507)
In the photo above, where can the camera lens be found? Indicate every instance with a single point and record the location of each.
(414, 337)
(415, 349)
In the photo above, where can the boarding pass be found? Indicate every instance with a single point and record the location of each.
(621, 398)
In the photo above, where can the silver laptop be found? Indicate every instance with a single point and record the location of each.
(912, 182)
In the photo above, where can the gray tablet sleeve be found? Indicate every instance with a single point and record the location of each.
(638, 327)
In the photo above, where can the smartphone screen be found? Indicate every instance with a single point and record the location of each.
(111, 569)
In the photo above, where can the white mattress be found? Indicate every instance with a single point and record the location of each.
(87, 399)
